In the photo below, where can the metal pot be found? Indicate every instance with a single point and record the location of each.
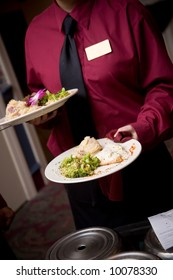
(87, 244)
(135, 255)
(153, 245)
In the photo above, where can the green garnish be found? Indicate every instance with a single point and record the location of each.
(52, 96)
(73, 167)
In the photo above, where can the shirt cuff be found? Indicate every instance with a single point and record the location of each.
(145, 135)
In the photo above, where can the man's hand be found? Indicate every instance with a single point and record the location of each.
(45, 118)
(123, 134)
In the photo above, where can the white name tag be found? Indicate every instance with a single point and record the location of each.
(98, 49)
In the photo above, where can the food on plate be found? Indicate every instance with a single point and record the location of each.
(30, 103)
(74, 167)
(88, 145)
(112, 153)
(17, 108)
(90, 154)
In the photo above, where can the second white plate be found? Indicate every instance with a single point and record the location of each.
(37, 113)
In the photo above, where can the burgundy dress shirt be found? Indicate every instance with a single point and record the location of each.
(132, 84)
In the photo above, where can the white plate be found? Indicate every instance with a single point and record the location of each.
(37, 113)
(52, 171)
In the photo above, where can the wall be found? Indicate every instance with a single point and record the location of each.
(168, 37)
(17, 174)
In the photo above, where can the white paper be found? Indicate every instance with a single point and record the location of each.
(162, 225)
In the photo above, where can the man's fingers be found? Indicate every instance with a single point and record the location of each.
(125, 132)
(44, 118)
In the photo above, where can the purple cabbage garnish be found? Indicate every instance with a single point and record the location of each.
(33, 100)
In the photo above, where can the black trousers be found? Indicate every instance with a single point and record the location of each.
(147, 185)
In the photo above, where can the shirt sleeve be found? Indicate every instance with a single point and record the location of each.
(155, 120)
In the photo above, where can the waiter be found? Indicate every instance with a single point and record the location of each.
(128, 78)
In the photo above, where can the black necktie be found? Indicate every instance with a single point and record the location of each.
(71, 77)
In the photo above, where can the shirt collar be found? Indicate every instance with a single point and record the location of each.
(81, 13)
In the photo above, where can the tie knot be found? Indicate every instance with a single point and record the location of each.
(69, 25)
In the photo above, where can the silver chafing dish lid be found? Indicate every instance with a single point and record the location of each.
(135, 255)
(86, 244)
(153, 245)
